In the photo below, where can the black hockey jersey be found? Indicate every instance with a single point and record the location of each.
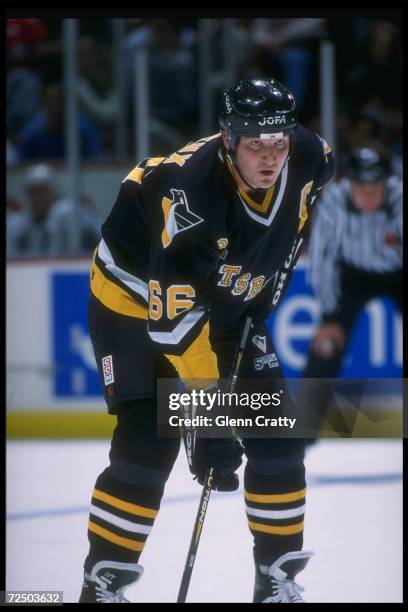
(187, 249)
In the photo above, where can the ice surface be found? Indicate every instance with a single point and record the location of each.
(353, 523)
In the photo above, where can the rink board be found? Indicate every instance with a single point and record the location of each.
(53, 388)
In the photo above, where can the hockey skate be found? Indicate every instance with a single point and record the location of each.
(275, 583)
(106, 582)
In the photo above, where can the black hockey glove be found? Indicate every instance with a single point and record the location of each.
(223, 454)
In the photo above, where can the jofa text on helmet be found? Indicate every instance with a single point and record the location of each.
(272, 120)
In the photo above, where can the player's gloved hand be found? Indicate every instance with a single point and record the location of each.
(225, 456)
(222, 454)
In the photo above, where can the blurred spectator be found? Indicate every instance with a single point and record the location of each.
(22, 35)
(365, 128)
(43, 136)
(374, 84)
(23, 83)
(43, 229)
(284, 48)
(95, 84)
(173, 99)
(376, 75)
(95, 87)
(173, 78)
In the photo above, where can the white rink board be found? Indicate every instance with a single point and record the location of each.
(29, 333)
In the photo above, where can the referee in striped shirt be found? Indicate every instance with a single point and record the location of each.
(355, 255)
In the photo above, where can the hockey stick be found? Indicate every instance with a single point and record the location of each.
(239, 354)
(198, 526)
(205, 495)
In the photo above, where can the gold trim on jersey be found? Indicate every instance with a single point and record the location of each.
(192, 147)
(198, 363)
(136, 174)
(262, 207)
(303, 213)
(115, 297)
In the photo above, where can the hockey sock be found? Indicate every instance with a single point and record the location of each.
(120, 519)
(275, 506)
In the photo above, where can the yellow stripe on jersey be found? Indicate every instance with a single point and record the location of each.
(278, 530)
(276, 499)
(263, 207)
(114, 297)
(303, 214)
(192, 147)
(154, 161)
(135, 175)
(112, 537)
(198, 362)
(126, 506)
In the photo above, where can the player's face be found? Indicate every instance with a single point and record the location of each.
(261, 161)
(368, 197)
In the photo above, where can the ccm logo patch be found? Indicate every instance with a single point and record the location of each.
(107, 367)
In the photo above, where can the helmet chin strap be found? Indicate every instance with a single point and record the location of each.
(231, 159)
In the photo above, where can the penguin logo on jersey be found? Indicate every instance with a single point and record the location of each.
(177, 216)
(260, 342)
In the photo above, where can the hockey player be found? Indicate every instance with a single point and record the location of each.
(193, 243)
(355, 256)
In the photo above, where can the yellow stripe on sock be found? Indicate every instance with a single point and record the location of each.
(278, 530)
(276, 499)
(126, 506)
(112, 537)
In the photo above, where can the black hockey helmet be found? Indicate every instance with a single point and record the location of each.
(259, 108)
(367, 165)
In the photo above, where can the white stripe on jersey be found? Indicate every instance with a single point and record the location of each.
(133, 282)
(184, 326)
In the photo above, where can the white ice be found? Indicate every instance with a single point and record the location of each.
(353, 524)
